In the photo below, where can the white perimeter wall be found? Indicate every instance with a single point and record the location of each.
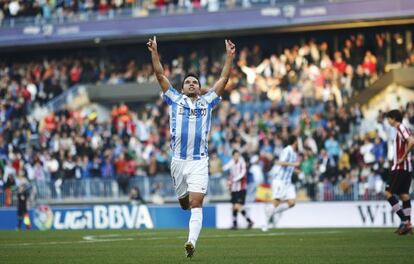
(316, 214)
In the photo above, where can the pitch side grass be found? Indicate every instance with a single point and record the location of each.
(214, 246)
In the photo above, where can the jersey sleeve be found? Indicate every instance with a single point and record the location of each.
(284, 156)
(212, 98)
(171, 96)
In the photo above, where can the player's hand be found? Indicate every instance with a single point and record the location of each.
(152, 44)
(230, 48)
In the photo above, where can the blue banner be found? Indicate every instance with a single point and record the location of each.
(107, 217)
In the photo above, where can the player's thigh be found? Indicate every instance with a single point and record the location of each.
(400, 182)
(196, 199)
(392, 183)
(278, 190)
(197, 179)
(234, 198)
(404, 183)
(238, 198)
(290, 192)
(179, 178)
(242, 197)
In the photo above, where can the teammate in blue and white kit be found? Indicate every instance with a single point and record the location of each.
(190, 122)
(283, 190)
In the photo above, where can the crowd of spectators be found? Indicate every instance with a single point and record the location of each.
(60, 10)
(313, 68)
(302, 91)
(64, 9)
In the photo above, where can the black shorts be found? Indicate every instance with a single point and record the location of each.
(21, 213)
(399, 182)
(238, 197)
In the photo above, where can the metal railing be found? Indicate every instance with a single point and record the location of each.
(159, 189)
(153, 189)
(65, 98)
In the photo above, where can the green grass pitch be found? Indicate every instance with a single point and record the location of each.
(214, 246)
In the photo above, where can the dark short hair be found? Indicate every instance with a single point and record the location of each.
(292, 139)
(234, 152)
(395, 114)
(191, 74)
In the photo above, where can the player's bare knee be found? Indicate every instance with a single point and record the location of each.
(404, 197)
(196, 200)
(387, 194)
(196, 205)
(276, 202)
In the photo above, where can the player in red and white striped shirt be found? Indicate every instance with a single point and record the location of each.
(237, 185)
(400, 176)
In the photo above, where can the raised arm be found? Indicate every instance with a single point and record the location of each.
(225, 73)
(283, 160)
(287, 164)
(156, 64)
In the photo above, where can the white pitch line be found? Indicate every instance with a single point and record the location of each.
(264, 234)
(127, 237)
(68, 242)
(96, 237)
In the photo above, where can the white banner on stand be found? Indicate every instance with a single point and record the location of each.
(315, 215)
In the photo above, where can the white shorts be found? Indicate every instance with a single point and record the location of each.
(283, 191)
(189, 176)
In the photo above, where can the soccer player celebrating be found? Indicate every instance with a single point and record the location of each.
(400, 178)
(283, 191)
(237, 185)
(190, 122)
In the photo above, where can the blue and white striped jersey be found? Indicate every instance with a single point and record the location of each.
(284, 173)
(190, 123)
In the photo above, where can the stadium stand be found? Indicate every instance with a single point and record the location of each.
(306, 85)
(70, 154)
(14, 13)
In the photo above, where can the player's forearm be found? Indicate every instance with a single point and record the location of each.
(243, 171)
(225, 72)
(225, 75)
(159, 71)
(237, 178)
(410, 146)
(156, 64)
(288, 164)
(227, 166)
